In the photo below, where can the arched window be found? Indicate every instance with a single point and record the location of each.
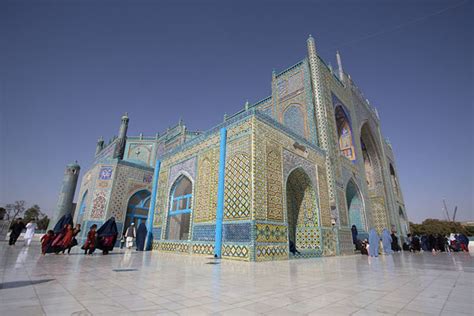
(344, 133)
(179, 214)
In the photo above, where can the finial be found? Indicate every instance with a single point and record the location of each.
(225, 117)
(247, 105)
(141, 136)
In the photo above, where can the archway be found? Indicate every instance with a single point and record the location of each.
(302, 212)
(355, 205)
(179, 214)
(373, 173)
(344, 133)
(137, 209)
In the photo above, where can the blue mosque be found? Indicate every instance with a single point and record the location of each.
(301, 166)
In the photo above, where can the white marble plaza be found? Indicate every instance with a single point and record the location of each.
(152, 283)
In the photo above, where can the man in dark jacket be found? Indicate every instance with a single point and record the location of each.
(17, 227)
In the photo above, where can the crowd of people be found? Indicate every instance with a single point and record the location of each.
(437, 243)
(390, 244)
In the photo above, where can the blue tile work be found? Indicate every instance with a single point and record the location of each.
(106, 173)
(237, 232)
(204, 232)
(293, 118)
(156, 233)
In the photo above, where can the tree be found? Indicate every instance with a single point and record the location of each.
(42, 223)
(15, 209)
(436, 226)
(3, 212)
(33, 213)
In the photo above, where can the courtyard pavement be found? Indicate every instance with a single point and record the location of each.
(152, 283)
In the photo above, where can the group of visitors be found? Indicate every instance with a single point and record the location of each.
(104, 238)
(62, 237)
(437, 243)
(434, 243)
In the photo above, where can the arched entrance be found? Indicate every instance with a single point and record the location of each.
(355, 205)
(373, 174)
(394, 180)
(179, 214)
(137, 209)
(302, 212)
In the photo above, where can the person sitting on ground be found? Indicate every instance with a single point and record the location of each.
(395, 246)
(415, 244)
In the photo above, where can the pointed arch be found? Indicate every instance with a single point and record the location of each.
(180, 208)
(344, 133)
(82, 208)
(355, 206)
(137, 208)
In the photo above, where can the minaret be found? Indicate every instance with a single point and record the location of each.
(100, 145)
(66, 195)
(339, 66)
(122, 138)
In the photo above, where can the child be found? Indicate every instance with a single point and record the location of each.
(46, 241)
(89, 246)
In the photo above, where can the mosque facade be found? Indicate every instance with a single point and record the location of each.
(302, 165)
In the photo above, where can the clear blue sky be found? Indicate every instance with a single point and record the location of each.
(69, 69)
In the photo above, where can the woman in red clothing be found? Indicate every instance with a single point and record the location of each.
(89, 246)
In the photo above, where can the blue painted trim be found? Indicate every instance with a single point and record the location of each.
(151, 211)
(220, 195)
(183, 211)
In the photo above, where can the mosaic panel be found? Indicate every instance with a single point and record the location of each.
(308, 237)
(271, 233)
(274, 183)
(324, 198)
(161, 199)
(174, 247)
(379, 215)
(99, 204)
(105, 173)
(203, 249)
(260, 195)
(156, 233)
(271, 252)
(140, 152)
(206, 189)
(292, 161)
(189, 166)
(239, 232)
(329, 242)
(346, 247)
(240, 252)
(237, 194)
(341, 200)
(204, 232)
(294, 119)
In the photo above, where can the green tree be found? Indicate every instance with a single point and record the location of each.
(436, 226)
(33, 213)
(42, 223)
(3, 212)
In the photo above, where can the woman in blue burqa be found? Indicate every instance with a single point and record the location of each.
(62, 223)
(60, 230)
(373, 243)
(141, 236)
(387, 242)
(107, 236)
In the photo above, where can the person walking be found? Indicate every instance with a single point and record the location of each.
(17, 227)
(30, 232)
(90, 244)
(141, 236)
(130, 235)
(374, 240)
